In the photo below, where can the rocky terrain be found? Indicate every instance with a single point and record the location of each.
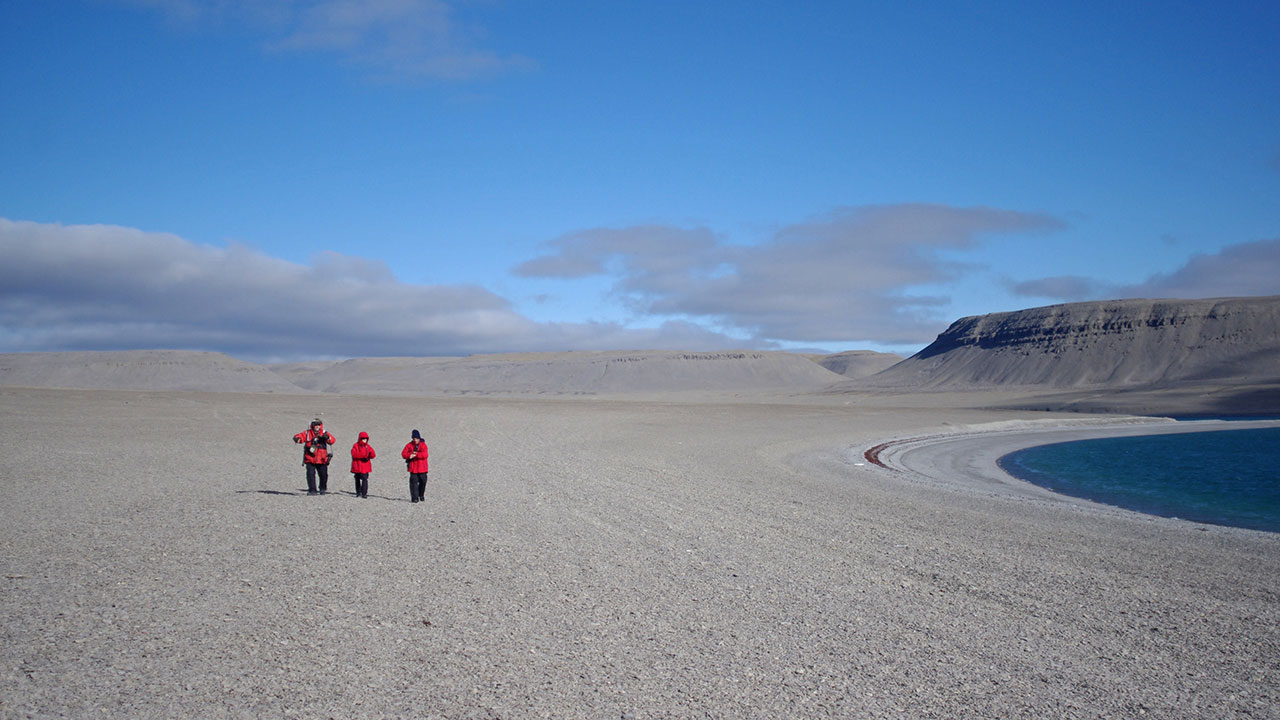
(632, 534)
(1112, 344)
(670, 558)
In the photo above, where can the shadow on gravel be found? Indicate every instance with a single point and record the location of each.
(303, 493)
(348, 493)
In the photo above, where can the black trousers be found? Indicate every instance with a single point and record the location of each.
(312, 471)
(362, 484)
(417, 486)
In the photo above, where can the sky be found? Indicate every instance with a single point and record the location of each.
(287, 180)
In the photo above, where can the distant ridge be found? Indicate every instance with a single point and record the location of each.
(1219, 355)
(1118, 343)
(568, 373)
(140, 370)
(513, 374)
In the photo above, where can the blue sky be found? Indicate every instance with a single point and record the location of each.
(290, 179)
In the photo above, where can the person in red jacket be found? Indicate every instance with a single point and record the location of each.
(315, 455)
(362, 455)
(415, 459)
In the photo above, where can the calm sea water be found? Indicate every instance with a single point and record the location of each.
(1229, 477)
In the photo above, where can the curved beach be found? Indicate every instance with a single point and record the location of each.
(643, 558)
(968, 457)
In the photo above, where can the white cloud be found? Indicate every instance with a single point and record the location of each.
(842, 277)
(98, 287)
(1242, 270)
(390, 38)
(1060, 287)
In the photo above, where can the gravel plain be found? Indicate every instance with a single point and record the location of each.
(593, 558)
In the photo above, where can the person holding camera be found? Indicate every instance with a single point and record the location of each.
(315, 455)
(415, 460)
(362, 455)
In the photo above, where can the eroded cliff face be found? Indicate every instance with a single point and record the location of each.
(1122, 343)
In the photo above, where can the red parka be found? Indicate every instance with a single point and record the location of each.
(419, 463)
(362, 455)
(315, 445)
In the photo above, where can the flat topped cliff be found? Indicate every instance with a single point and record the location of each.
(1118, 343)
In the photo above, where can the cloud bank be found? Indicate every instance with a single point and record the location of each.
(99, 287)
(846, 276)
(402, 39)
(1246, 269)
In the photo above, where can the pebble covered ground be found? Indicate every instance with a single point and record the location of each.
(590, 558)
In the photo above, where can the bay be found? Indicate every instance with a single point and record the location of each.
(1227, 477)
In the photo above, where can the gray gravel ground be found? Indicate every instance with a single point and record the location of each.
(591, 559)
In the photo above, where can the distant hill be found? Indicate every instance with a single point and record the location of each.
(857, 363)
(1115, 344)
(299, 370)
(1229, 348)
(568, 373)
(557, 374)
(140, 370)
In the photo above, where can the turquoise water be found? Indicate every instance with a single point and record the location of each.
(1228, 477)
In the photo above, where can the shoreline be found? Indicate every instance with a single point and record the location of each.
(591, 559)
(968, 458)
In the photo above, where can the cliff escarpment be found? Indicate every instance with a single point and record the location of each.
(1120, 343)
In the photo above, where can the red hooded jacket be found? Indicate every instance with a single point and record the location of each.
(315, 445)
(362, 455)
(419, 463)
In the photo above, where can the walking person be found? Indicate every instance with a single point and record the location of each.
(415, 459)
(362, 455)
(315, 443)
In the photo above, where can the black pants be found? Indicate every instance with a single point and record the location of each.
(362, 484)
(417, 486)
(312, 471)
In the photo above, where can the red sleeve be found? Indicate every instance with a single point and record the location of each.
(405, 452)
(372, 453)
